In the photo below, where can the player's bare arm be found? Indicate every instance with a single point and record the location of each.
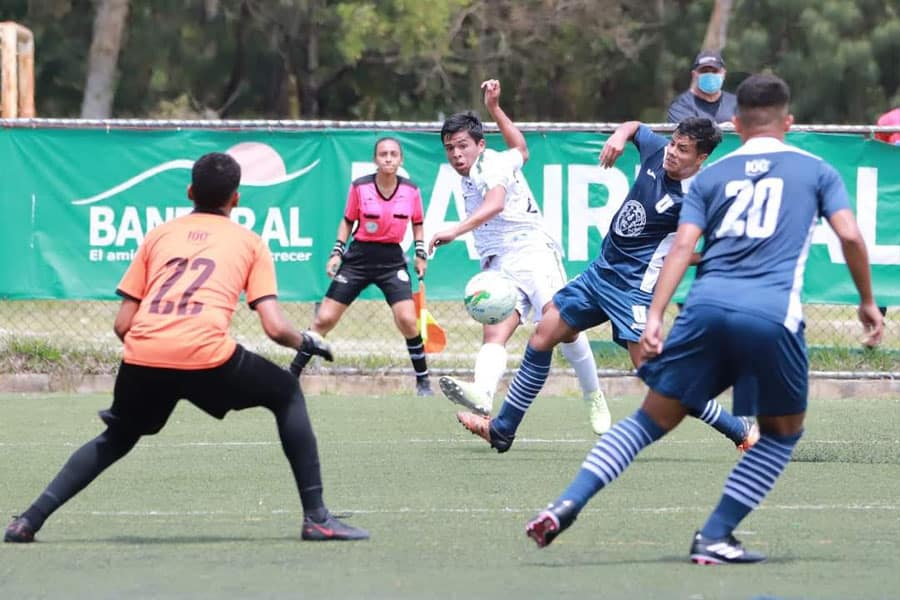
(511, 134)
(674, 267)
(492, 206)
(615, 145)
(280, 330)
(854, 248)
(125, 316)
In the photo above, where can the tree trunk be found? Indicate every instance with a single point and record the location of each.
(717, 29)
(100, 87)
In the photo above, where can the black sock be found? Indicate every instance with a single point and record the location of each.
(416, 348)
(83, 467)
(299, 363)
(299, 444)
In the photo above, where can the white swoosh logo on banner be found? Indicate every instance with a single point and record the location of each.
(184, 163)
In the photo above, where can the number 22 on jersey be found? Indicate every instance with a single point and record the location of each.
(754, 208)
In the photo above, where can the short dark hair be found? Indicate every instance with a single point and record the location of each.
(214, 179)
(387, 138)
(761, 98)
(463, 121)
(703, 131)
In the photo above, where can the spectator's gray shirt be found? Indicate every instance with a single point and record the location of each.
(689, 104)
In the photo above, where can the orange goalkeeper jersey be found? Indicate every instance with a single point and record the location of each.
(188, 276)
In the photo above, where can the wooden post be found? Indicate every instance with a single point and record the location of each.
(16, 71)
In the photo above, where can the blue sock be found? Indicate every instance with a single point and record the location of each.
(611, 456)
(749, 482)
(525, 387)
(714, 415)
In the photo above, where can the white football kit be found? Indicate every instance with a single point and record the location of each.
(514, 242)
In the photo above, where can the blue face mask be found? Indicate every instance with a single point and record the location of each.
(710, 83)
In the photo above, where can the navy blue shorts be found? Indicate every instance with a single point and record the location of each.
(711, 348)
(598, 296)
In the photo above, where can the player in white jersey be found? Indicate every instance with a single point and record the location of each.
(509, 234)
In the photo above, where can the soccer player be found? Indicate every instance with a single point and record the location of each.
(379, 207)
(618, 285)
(742, 325)
(178, 298)
(510, 237)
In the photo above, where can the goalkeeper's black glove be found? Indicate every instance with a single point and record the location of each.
(314, 344)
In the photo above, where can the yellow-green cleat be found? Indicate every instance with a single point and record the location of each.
(601, 420)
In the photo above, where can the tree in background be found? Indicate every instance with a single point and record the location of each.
(103, 58)
(564, 60)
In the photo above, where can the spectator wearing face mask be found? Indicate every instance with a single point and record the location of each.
(705, 98)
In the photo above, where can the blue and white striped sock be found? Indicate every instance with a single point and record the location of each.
(749, 482)
(714, 415)
(525, 387)
(611, 456)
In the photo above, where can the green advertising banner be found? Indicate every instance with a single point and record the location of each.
(79, 201)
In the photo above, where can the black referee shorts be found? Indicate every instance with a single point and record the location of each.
(367, 263)
(144, 397)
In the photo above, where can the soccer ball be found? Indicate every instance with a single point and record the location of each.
(490, 297)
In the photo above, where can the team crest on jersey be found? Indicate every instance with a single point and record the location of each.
(756, 166)
(371, 226)
(631, 220)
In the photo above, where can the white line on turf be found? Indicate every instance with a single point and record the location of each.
(465, 440)
(503, 510)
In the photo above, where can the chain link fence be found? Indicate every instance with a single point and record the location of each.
(46, 335)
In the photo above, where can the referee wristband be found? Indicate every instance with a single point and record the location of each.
(339, 248)
(420, 250)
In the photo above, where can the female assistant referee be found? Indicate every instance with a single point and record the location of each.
(379, 206)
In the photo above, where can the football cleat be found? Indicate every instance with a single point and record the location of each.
(331, 529)
(723, 551)
(423, 387)
(465, 394)
(751, 434)
(481, 426)
(601, 420)
(552, 521)
(20, 531)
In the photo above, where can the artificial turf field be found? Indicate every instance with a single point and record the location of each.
(208, 509)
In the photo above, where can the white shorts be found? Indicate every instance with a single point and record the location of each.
(538, 273)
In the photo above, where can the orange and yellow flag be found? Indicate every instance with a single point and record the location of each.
(433, 335)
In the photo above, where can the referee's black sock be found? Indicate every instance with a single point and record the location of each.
(83, 467)
(299, 363)
(416, 348)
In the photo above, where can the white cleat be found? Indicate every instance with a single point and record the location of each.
(601, 420)
(465, 394)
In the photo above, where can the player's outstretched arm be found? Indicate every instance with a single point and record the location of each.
(281, 331)
(615, 145)
(511, 134)
(854, 247)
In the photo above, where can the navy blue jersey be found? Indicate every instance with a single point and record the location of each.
(758, 207)
(642, 230)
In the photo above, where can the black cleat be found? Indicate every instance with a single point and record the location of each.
(723, 551)
(19, 531)
(423, 387)
(331, 529)
(552, 521)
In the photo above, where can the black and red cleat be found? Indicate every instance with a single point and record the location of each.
(331, 529)
(19, 531)
(551, 521)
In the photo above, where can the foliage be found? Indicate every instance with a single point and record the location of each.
(565, 60)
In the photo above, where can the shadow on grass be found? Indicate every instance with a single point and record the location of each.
(136, 540)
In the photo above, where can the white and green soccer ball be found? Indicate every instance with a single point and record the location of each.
(490, 297)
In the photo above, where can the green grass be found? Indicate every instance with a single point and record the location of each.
(208, 509)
